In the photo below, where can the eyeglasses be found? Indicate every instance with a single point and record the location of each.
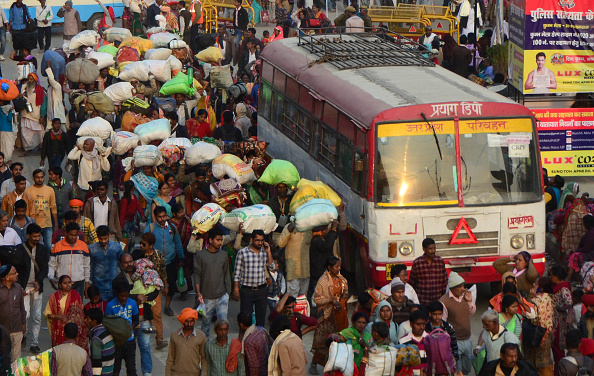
(144, 244)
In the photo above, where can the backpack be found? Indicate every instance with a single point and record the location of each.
(118, 327)
(135, 105)
(165, 104)
(440, 360)
(237, 90)
(584, 369)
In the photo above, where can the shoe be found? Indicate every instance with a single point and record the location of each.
(168, 311)
(162, 345)
(313, 370)
(1, 57)
(35, 349)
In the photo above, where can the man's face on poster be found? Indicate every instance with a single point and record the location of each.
(540, 61)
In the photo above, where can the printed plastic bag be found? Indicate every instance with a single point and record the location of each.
(233, 167)
(202, 152)
(124, 141)
(147, 155)
(95, 127)
(279, 171)
(315, 212)
(255, 217)
(308, 190)
(220, 77)
(117, 34)
(88, 38)
(119, 92)
(161, 40)
(157, 54)
(206, 217)
(38, 365)
(140, 44)
(171, 154)
(159, 129)
(137, 70)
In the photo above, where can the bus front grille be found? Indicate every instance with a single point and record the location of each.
(488, 244)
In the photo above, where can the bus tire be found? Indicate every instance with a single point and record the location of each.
(93, 22)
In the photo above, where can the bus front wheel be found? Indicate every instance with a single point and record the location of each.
(94, 21)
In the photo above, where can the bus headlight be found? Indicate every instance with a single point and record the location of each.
(406, 249)
(517, 242)
(530, 241)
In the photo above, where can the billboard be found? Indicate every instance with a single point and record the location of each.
(566, 138)
(552, 46)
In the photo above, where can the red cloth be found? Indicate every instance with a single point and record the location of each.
(587, 346)
(129, 208)
(39, 91)
(559, 286)
(101, 305)
(588, 300)
(232, 358)
(103, 24)
(204, 130)
(74, 312)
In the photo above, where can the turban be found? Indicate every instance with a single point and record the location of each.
(75, 202)
(187, 313)
(588, 299)
(4, 270)
(587, 346)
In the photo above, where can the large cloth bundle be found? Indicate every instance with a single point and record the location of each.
(97, 100)
(315, 212)
(38, 365)
(279, 171)
(124, 141)
(159, 129)
(175, 64)
(161, 69)
(407, 356)
(308, 189)
(340, 358)
(382, 361)
(210, 55)
(95, 127)
(201, 152)
(82, 70)
(206, 217)
(131, 120)
(161, 40)
(104, 59)
(147, 155)
(233, 167)
(87, 38)
(119, 92)
(177, 141)
(135, 70)
(98, 142)
(139, 44)
(127, 54)
(171, 154)
(255, 217)
(220, 77)
(117, 34)
(157, 54)
(155, 30)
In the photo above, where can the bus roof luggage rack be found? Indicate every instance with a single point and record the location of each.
(366, 49)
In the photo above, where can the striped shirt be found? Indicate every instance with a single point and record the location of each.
(216, 356)
(250, 267)
(102, 351)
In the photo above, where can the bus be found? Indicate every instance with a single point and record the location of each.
(89, 10)
(414, 150)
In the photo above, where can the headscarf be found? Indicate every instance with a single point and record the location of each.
(38, 90)
(587, 346)
(280, 34)
(241, 110)
(75, 203)
(92, 156)
(570, 189)
(187, 313)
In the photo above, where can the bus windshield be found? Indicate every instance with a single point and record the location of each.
(417, 163)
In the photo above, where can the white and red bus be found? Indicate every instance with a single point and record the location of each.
(415, 150)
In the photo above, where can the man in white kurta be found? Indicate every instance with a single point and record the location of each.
(32, 123)
(90, 163)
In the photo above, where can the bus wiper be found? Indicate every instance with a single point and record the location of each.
(434, 135)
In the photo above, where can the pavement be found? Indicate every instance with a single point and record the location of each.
(170, 324)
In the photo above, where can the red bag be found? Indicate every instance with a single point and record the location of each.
(302, 305)
(264, 16)
(127, 54)
(313, 23)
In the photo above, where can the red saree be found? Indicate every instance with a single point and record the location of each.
(73, 311)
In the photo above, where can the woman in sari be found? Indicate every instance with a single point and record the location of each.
(257, 11)
(571, 189)
(64, 306)
(172, 23)
(357, 335)
(162, 199)
(330, 297)
(174, 190)
(383, 313)
(540, 355)
(563, 310)
(585, 250)
(509, 317)
(146, 183)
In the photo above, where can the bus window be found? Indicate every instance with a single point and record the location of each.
(279, 80)
(305, 99)
(289, 119)
(346, 127)
(265, 100)
(358, 172)
(361, 141)
(278, 106)
(304, 130)
(267, 72)
(344, 162)
(510, 158)
(330, 116)
(292, 89)
(328, 148)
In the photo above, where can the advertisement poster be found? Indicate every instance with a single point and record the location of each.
(553, 43)
(566, 138)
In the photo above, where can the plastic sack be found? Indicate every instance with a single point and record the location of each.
(279, 171)
(95, 127)
(224, 187)
(171, 154)
(131, 120)
(117, 34)
(139, 44)
(255, 217)
(382, 361)
(233, 167)
(147, 155)
(315, 212)
(155, 30)
(104, 60)
(124, 141)
(136, 70)
(82, 70)
(206, 217)
(38, 365)
(177, 141)
(210, 55)
(202, 152)
(201, 309)
(161, 40)
(220, 77)
(8, 90)
(178, 85)
(309, 189)
(88, 38)
(110, 49)
(157, 54)
(175, 63)
(159, 129)
(161, 69)
(119, 92)
(340, 358)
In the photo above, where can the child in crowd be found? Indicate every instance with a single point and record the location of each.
(265, 37)
(95, 300)
(146, 280)
(278, 286)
